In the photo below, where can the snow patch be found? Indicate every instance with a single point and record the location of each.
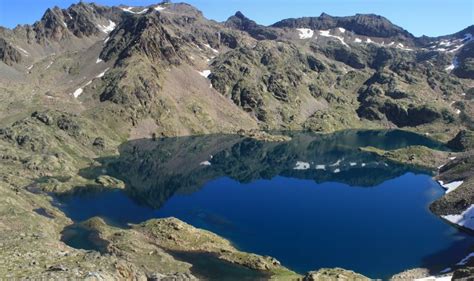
(352, 164)
(458, 111)
(98, 60)
(435, 278)
(102, 73)
(452, 158)
(107, 28)
(446, 270)
(358, 40)
(342, 30)
(466, 259)
(465, 219)
(205, 73)
(129, 10)
(326, 33)
(23, 50)
(77, 92)
(305, 33)
(336, 163)
(30, 67)
(445, 43)
(320, 167)
(106, 40)
(337, 171)
(49, 65)
(205, 163)
(300, 165)
(209, 47)
(450, 186)
(453, 65)
(402, 47)
(159, 8)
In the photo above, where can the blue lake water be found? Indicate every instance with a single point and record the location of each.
(358, 213)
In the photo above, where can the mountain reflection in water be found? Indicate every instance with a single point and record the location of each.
(315, 201)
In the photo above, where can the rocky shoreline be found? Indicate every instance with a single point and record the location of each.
(137, 252)
(455, 173)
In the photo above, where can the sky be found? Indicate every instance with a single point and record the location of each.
(420, 17)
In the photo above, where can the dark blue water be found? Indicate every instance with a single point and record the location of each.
(370, 218)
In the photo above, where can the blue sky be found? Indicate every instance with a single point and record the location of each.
(429, 17)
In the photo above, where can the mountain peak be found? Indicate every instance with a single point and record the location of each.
(240, 15)
(241, 22)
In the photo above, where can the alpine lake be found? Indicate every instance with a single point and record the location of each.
(316, 201)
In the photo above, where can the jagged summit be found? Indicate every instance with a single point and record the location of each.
(241, 22)
(240, 15)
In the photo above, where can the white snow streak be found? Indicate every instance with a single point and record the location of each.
(434, 278)
(23, 50)
(77, 92)
(305, 33)
(205, 73)
(465, 219)
(450, 186)
(102, 73)
(453, 65)
(209, 47)
(49, 65)
(466, 259)
(326, 33)
(300, 165)
(107, 28)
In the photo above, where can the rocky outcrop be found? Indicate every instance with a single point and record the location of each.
(8, 54)
(334, 274)
(259, 32)
(146, 36)
(464, 141)
(457, 201)
(465, 62)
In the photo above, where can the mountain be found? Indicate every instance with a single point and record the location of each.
(145, 66)
(259, 32)
(83, 81)
(362, 24)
